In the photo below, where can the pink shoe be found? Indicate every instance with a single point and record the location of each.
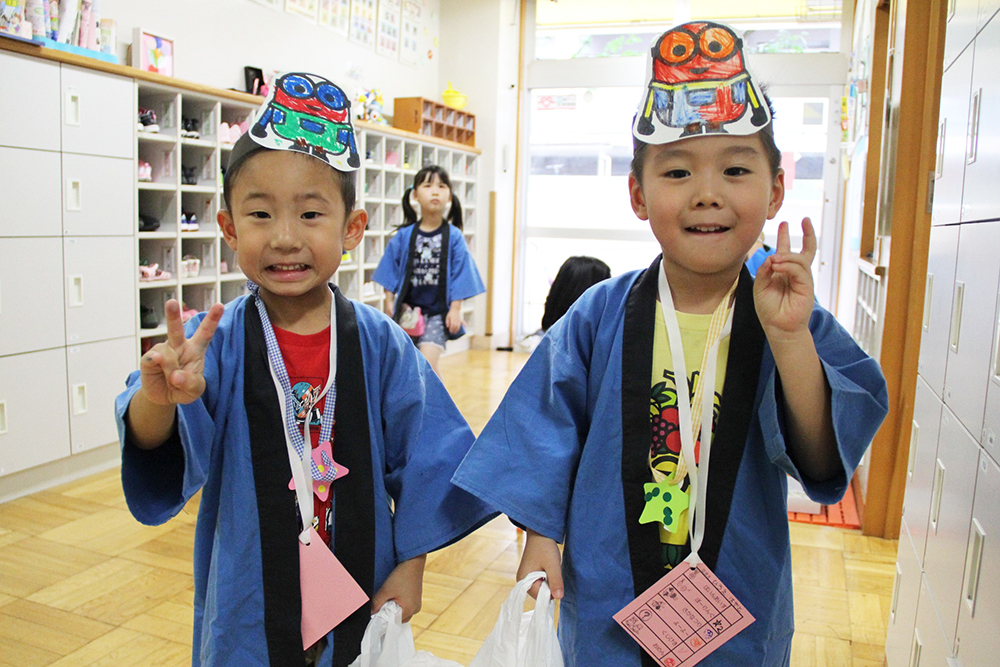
(224, 133)
(187, 313)
(145, 171)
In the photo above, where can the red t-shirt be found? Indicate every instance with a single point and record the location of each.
(307, 360)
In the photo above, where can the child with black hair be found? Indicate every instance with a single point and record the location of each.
(655, 378)
(320, 440)
(427, 269)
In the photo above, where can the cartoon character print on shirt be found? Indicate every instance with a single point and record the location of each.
(305, 393)
(427, 266)
(665, 441)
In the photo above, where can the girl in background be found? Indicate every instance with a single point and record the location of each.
(427, 269)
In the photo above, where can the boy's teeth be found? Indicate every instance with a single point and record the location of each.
(289, 267)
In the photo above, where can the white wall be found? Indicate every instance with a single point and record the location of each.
(215, 39)
(479, 50)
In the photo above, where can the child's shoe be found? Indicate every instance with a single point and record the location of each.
(190, 127)
(187, 313)
(189, 175)
(224, 133)
(189, 222)
(148, 224)
(148, 272)
(145, 172)
(147, 121)
(147, 318)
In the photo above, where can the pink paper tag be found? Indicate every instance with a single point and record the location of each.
(684, 616)
(329, 592)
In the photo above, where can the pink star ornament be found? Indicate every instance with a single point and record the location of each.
(324, 470)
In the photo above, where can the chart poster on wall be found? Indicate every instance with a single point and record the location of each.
(363, 16)
(335, 14)
(304, 8)
(388, 28)
(276, 5)
(409, 33)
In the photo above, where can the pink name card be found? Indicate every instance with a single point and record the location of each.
(684, 616)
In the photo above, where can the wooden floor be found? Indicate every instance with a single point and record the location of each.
(81, 583)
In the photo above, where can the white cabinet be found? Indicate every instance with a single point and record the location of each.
(979, 613)
(98, 113)
(32, 198)
(937, 306)
(991, 422)
(920, 469)
(34, 428)
(99, 197)
(31, 319)
(100, 278)
(980, 201)
(953, 124)
(903, 612)
(977, 275)
(96, 375)
(948, 525)
(963, 18)
(29, 102)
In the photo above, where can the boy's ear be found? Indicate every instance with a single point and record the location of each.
(636, 198)
(228, 228)
(354, 228)
(777, 194)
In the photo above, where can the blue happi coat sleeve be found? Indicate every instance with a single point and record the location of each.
(464, 281)
(858, 397)
(391, 268)
(158, 483)
(424, 437)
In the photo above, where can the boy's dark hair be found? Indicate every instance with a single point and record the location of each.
(573, 278)
(766, 139)
(454, 216)
(245, 148)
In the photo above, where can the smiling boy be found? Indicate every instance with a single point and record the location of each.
(655, 379)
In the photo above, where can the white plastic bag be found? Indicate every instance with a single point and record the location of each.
(388, 642)
(520, 638)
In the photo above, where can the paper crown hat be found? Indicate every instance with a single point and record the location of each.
(305, 113)
(698, 84)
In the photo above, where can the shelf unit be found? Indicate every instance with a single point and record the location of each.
(433, 119)
(390, 159)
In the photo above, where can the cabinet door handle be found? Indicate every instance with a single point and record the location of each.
(72, 106)
(974, 115)
(914, 434)
(74, 195)
(973, 564)
(928, 297)
(75, 291)
(939, 162)
(916, 649)
(996, 353)
(895, 594)
(1, 301)
(3, 416)
(80, 398)
(956, 317)
(936, 494)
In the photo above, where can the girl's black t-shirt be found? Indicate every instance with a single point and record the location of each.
(424, 285)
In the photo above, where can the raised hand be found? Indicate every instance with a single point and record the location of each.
(783, 289)
(172, 372)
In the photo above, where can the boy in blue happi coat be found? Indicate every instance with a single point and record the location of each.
(656, 422)
(227, 405)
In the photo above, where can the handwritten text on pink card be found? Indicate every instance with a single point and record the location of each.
(684, 616)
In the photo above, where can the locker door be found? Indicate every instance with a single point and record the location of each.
(98, 113)
(31, 204)
(903, 612)
(98, 197)
(953, 124)
(930, 646)
(979, 616)
(979, 200)
(101, 276)
(920, 467)
(950, 513)
(961, 28)
(34, 426)
(937, 306)
(96, 375)
(31, 295)
(991, 423)
(977, 275)
(29, 100)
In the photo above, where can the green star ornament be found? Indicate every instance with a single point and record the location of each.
(664, 504)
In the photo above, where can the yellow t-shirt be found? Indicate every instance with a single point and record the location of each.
(665, 443)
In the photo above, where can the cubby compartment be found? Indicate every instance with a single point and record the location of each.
(393, 153)
(374, 210)
(163, 103)
(152, 321)
(198, 213)
(347, 281)
(157, 208)
(163, 253)
(229, 268)
(428, 156)
(199, 119)
(162, 158)
(199, 297)
(392, 217)
(395, 183)
(373, 180)
(199, 168)
(233, 289)
(198, 260)
(374, 149)
(373, 250)
(411, 156)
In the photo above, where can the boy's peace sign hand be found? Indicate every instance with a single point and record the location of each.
(783, 289)
(172, 372)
